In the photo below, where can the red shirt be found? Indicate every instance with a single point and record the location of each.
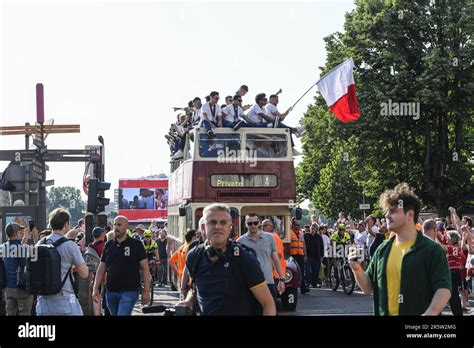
(454, 255)
(99, 247)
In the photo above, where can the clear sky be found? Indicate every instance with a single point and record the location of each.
(117, 68)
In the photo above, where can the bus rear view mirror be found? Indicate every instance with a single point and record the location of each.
(182, 211)
(299, 213)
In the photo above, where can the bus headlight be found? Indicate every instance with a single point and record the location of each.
(288, 276)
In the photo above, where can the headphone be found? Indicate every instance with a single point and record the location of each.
(212, 252)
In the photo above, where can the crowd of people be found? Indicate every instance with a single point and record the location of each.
(233, 114)
(220, 273)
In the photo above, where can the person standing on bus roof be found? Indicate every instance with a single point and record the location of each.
(243, 90)
(197, 111)
(211, 114)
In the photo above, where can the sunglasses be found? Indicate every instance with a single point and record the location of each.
(239, 100)
(250, 223)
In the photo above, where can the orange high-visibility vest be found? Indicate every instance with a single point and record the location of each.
(281, 256)
(297, 243)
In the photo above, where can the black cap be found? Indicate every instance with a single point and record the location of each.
(97, 231)
(12, 228)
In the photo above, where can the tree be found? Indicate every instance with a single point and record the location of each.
(67, 197)
(405, 52)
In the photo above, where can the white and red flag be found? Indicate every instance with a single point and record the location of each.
(339, 91)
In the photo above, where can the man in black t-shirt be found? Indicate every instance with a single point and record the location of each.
(224, 273)
(163, 257)
(122, 259)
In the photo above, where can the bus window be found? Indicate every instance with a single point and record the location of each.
(268, 145)
(234, 233)
(197, 217)
(220, 144)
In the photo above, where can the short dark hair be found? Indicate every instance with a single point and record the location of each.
(208, 98)
(253, 215)
(236, 97)
(190, 104)
(196, 99)
(190, 235)
(273, 96)
(469, 220)
(260, 96)
(97, 232)
(58, 218)
(374, 220)
(213, 94)
(402, 193)
(229, 96)
(244, 87)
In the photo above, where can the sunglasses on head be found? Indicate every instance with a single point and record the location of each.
(250, 223)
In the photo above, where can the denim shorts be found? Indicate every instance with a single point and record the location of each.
(58, 305)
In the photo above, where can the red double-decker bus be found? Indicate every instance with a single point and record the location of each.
(250, 170)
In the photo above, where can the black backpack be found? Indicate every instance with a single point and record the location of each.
(43, 275)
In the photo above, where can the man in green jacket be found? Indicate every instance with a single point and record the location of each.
(409, 273)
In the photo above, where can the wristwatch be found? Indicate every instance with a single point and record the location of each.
(146, 290)
(282, 280)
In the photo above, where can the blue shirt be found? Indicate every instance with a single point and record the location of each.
(12, 264)
(221, 290)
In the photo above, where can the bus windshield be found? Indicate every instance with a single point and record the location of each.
(267, 145)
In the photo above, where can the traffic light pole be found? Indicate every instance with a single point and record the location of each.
(41, 215)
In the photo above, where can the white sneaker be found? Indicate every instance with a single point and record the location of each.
(177, 155)
(296, 153)
(300, 131)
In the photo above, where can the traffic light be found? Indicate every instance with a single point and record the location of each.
(96, 201)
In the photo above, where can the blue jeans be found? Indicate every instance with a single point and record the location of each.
(207, 125)
(121, 303)
(58, 305)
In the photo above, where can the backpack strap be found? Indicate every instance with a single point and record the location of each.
(200, 249)
(69, 272)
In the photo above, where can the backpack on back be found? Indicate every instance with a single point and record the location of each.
(43, 273)
(91, 257)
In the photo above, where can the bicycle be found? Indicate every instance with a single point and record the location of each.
(341, 274)
(151, 265)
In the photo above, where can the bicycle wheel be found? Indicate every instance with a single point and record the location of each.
(348, 280)
(333, 277)
(152, 292)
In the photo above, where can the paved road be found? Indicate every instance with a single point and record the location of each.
(320, 302)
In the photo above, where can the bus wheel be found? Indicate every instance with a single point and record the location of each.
(289, 299)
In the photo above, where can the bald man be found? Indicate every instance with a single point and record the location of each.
(123, 259)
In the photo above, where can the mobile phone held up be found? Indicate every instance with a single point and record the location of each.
(32, 224)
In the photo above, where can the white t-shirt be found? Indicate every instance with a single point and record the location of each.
(254, 114)
(197, 115)
(271, 111)
(371, 239)
(327, 244)
(229, 110)
(360, 238)
(206, 108)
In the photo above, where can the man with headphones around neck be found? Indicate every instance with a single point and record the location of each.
(224, 273)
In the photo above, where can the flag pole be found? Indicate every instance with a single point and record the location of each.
(337, 66)
(310, 88)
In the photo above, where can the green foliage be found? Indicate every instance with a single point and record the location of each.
(404, 52)
(67, 197)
